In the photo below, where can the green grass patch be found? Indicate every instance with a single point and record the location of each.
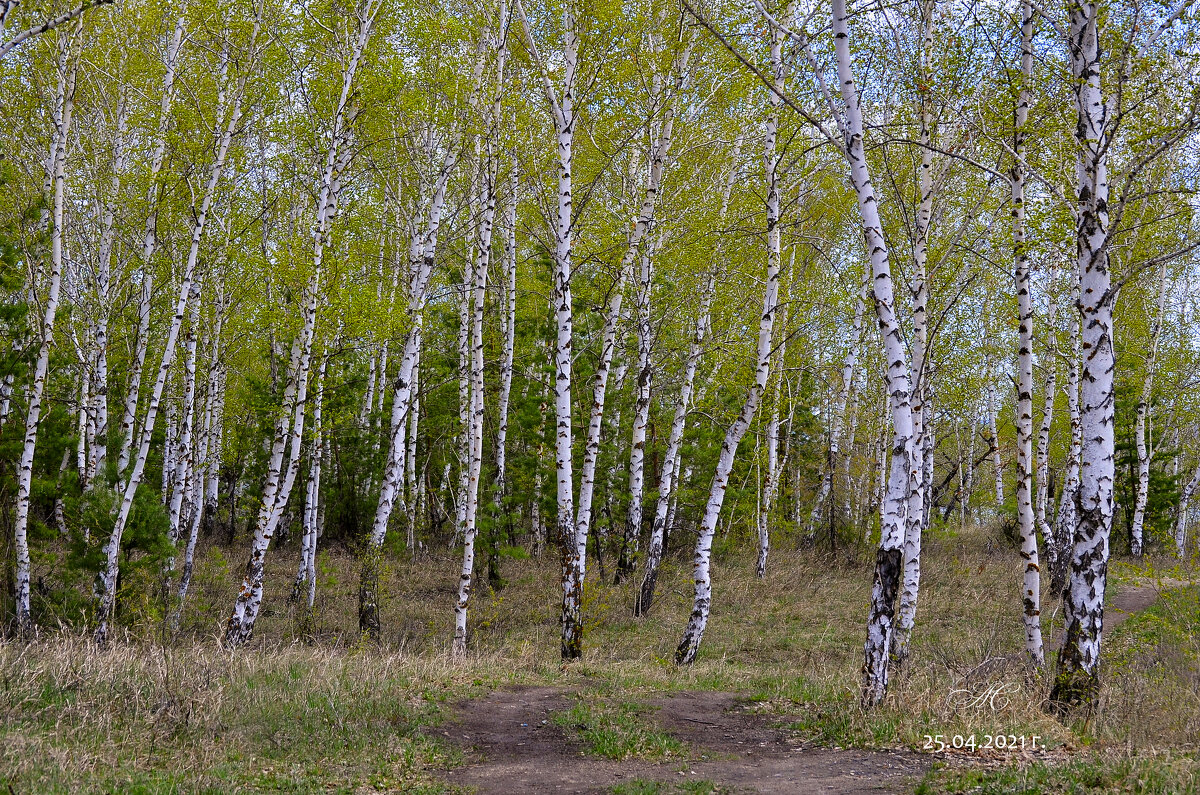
(1145, 775)
(619, 730)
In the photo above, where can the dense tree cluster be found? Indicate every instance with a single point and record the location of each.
(616, 279)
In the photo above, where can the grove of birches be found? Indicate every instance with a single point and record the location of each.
(601, 282)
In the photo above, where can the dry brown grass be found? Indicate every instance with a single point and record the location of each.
(312, 705)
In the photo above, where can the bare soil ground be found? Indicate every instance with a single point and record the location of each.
(513, 745)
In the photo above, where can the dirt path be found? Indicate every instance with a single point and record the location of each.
(513, 746)
(1129, 601)
(1133, 599)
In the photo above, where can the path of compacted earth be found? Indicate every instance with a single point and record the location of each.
(513, 745)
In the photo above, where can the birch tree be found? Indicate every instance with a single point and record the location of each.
(563, 115)
(423, 248)
(1076, 680)
(667, 482)
(229, 118)
(689, 644)
(66, 66)
(1137, 543)
(279, 482)
(479, 290)
(10, 41)
(1031, 586)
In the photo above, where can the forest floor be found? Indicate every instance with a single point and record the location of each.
(769, 706)
(704, 741)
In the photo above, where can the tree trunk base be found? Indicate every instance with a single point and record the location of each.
(645, 596)
(1075, 692)
(888, 569)
(368, 595)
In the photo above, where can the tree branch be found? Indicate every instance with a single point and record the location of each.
(49, 24)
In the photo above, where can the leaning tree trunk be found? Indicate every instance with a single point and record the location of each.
(1077, 678)
(423, 250)
(689, 644)
(903, 471)
(64, 105)
(149, 247)
(670, 467)
(240, 625)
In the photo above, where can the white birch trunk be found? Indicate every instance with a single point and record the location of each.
(1077, 677)
(562, 111)
(240, 626)
(202, 481)
(1031, 586)
(627, 563)
(1137, 543)
(1068, 513)
(689, 645)
(1185, 507)
(424, 248)
(170, 449)
(1043, 447)
(475, 461)
(693, 634)
(510, 337)
(475, 431)
(216, 386)
(149, 247)
(919, 295)
(85, 428)
(416, 484)
(307, 571)
(464, 400)
(770, 487)
(97, 461)
(904, 470)
(62, 112)
(184, 450)
(231, 113)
